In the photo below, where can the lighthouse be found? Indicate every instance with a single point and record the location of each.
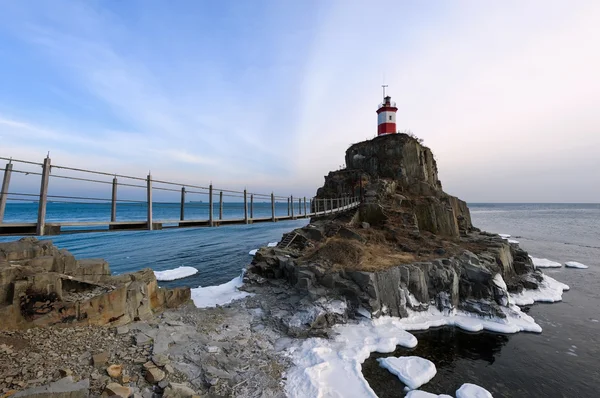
(386, 115)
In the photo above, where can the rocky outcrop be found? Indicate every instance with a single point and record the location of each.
(41, 285)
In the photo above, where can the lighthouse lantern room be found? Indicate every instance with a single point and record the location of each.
(386, 116)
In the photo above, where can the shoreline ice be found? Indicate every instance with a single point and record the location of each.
(575, 264)
(176, 273)
(412, 371)
(549, 291)
(211, 296)
(544, 263)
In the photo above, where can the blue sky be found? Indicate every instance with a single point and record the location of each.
(269, 95)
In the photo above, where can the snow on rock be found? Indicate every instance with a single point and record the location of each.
(424, 394)
(412, 371)
(211, 296)
(550, 290)
(544, 263)
(272, 244)
(512, 241)
(504, 236)
(332, 367)
(252, 252)
(469, 390)
(177, 273)
(575, 264)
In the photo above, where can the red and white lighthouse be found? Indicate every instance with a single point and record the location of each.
(386, 116)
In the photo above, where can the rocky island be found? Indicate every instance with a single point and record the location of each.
(315, 306)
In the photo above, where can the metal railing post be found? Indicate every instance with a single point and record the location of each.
(292, 202)
(113, 203)
(210, 205)
(182, 205)
(149, 200)
(4, 191)
(41, 221)
(305, 205)
(288, 200)
(220, 205)
(272, 206)
(245, 207)
(251, 206)
(299, 206)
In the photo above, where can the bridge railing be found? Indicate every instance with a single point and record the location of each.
(73, 200)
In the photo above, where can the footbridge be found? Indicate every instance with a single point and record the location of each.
(72, 200)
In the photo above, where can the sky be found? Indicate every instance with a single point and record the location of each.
(268, 95)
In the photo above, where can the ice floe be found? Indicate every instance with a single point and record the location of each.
(412, 371)
(424, 394)
(469, 390)
(332, 367)
(549, 290)
(211, 296)
(575, 264)
(176, 273)
(544, 263)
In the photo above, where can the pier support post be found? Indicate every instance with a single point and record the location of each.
(251, 206)
(299, 206)
(288, 206)
(4, 191)
(149, 200)
(182, 206)
(245, 207)
(41, 221)
(221, 205)
(305, 206)
(113, 202)
(272, 206)
(331, 204)
(291, 200)
(210, 206)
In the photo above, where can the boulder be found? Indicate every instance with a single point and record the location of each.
(116, 390)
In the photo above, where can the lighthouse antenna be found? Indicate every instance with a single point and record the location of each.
(384, 86)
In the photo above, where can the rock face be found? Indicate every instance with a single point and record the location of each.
(397, 179)
(409, 246)
(41, 285)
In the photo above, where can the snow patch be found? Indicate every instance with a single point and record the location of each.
(176, 273)
(424, 394)
(253, 252)
(469, 390)
(504, 236)
(332, 367)
(512, 241)
(549, 290)
(211, 296)
(544, 263)
(575, 264)
(412, 371)
(272, 244)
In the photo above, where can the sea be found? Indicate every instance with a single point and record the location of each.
(562, 361)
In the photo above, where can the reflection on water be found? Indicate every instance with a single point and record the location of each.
(449, 348)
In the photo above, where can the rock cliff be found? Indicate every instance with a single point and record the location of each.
(408, 247)
(41, 285)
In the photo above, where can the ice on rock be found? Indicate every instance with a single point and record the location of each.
(504, 236)
(211, 296)
(424, 394)
(412, 371)
(549, 290)
(544, 263)
(469, 390)
(575, 264)
(272, 244)
(512, 241)
(253, 252)
(176, 273)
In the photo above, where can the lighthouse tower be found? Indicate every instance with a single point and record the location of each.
(386, 115)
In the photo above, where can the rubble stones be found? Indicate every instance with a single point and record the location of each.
(114, 371)
(154, 375)
(115, 389)
(100, 359)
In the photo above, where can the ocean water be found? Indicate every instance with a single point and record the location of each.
(562, 361)
(218, 253)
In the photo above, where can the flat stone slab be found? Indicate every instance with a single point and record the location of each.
(63, 388)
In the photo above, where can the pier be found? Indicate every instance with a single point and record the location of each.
(114, 192)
